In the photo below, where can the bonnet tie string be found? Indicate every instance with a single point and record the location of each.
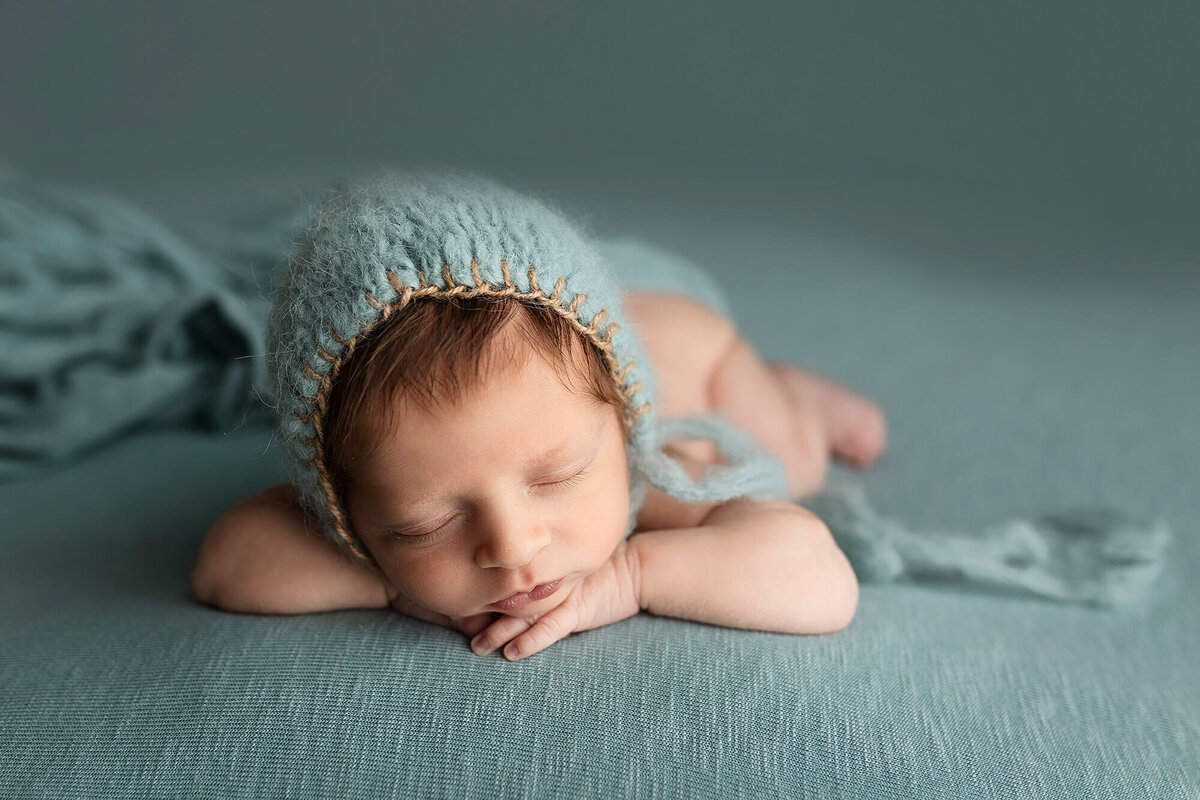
(1094, 555)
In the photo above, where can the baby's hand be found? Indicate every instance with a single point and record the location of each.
(608, 595)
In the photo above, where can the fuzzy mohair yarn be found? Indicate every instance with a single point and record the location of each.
(378, 243)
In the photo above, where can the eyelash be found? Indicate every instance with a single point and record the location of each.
(571, 481)
(427, 537)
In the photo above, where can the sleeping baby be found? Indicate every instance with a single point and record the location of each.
(491, 425)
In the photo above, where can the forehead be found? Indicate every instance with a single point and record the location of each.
(519, 412)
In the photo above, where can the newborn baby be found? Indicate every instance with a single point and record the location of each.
(473, 453)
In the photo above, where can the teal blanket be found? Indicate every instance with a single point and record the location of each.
(1010, 392)
(111, 322)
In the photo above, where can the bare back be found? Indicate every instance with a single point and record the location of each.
(686, 341)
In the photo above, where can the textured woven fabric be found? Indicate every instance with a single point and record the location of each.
(114, 683)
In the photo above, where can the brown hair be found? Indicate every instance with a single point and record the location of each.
(436, 350)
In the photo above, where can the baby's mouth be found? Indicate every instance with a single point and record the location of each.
(519, 600)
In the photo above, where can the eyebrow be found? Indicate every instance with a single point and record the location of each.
(537, 461)
(558, 450)
(555, 452)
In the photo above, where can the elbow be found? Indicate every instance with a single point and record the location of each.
(827, 583)
(214, 585)
(836, 606)
(842, 592)
(219, 577)
(202, 587)
(206, 574)
(842, 604)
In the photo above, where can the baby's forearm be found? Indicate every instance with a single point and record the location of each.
(760, 566)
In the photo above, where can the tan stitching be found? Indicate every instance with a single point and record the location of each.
(504, 269)
(558, 287)
(312, 373)
(397, 284)
(624, 372)
(533, 287)
(318, 433)
(610, 329)
(633, 389)
(642, 410)
(406, 292)
(475, 276)
(308, 416)
(371, 299)
(421, 280)
(338, 337)
(321, 352)
(309, 442)
(447, 277)
(596, 320)
(574, 307)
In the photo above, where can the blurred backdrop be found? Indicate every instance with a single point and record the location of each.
(891, 120)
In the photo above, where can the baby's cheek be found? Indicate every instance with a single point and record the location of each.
(435, 583)
(600, 524)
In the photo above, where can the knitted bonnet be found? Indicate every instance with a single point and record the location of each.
(373, 246)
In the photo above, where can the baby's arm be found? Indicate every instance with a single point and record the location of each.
(769, 566)
(259, 557)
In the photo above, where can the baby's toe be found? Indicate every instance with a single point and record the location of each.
(862, 436)
(853, 427)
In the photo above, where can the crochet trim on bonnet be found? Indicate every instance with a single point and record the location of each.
(376, 245)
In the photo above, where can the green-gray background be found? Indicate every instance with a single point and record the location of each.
(1072, 112)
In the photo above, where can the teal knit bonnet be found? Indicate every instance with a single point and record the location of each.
(375, 245)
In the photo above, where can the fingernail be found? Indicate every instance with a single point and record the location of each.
(480, 645)
(512, 651)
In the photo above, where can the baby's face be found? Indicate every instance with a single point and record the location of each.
(521, 483)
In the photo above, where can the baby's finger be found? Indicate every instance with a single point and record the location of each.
(546, 631)
(497, 634)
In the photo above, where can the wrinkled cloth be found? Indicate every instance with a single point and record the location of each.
(111, 322)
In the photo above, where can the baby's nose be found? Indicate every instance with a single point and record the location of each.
(510, 543)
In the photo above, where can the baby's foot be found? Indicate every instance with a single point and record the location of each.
(855, 427)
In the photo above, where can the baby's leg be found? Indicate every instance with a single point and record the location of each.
(800, 417)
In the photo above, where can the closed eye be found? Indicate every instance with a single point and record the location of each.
(432, 535)
(575, 479)
(425, 536)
